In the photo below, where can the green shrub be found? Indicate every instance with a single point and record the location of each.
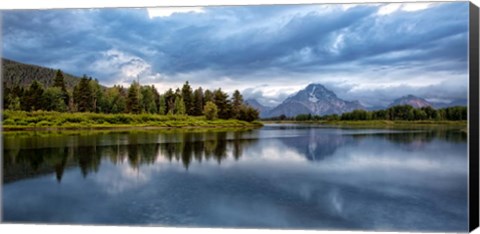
(120, 119)
(21, 122)
(210, 110)
(83, 120)
(5, 115)
(73, 119)
(44, 123)
(8, 122)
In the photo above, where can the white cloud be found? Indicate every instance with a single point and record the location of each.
(409, 7)
(338, 43)
(389, 8)
(348, 6)
(122, 68)
(168, 11)
(415, 6)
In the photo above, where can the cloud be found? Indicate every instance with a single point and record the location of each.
(120, 66)
(394, 7)
(268, 52)
(168, 11)
(266, 95)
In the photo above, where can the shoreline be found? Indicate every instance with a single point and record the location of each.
(235, 124)
(55, 121)
(123, 127)
(403, 124)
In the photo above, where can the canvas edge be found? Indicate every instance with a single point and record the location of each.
(473, 119)
(473, 134)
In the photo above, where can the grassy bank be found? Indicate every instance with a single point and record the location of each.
(380, 123)
(38, 120)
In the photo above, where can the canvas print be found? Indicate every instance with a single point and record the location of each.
(318, 116)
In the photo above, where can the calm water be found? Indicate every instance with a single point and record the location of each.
(279, 176)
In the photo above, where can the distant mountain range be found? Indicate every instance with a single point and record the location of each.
(456, 102)
(411, 100)
(315, 99)
(419, 102)
(264, 110)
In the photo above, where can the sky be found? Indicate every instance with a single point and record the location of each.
(373, 53)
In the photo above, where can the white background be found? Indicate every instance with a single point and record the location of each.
(47, 4)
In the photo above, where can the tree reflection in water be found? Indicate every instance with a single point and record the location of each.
(306, 176)
(52, 154)
(184, 147)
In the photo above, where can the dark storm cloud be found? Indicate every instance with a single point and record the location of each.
(244, 44)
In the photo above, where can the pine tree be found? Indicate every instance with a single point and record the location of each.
(83, 95)
(121, 103)
(237, 102)
(97, 95)
(32, 100)
(6, 95)
(220, 99)
(59, 81)
(187, 96)
(156, 97)
(178, 93)
(169, 101)
(134, 98)
(148, 100)
(207, 96)
(197, 109)
(12, 97)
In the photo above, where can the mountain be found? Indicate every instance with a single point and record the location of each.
(456, 102)
(24, 74)
(411, 100)
(261, 108)
(315, 99)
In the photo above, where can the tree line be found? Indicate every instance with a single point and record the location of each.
(400, 112)
(89, 96)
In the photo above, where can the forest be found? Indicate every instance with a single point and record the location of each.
(400, 112)
(89, 96)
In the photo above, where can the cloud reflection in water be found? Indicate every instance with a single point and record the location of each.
(296, 177)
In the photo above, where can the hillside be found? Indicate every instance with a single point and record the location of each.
(24, 74)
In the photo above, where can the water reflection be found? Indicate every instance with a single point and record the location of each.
(145, 148)
(184, 147)
(275, 177)
(318, 144)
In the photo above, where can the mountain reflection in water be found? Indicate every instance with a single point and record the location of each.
(278, 176)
